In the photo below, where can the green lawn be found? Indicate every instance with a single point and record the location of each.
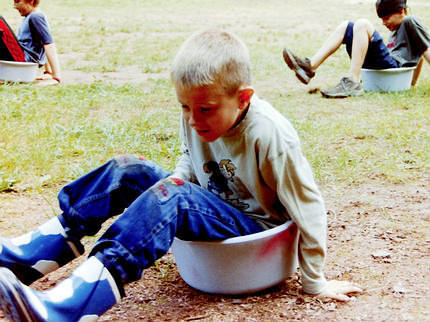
(51, 135)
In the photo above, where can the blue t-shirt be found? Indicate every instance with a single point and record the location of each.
(33, 33)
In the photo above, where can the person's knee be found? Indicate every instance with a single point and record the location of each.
(125, 160)
(363, 25)
(167, 188)
(343, 25)
(341, 28)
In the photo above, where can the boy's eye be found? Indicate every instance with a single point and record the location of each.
(205, 109)
(185, 107)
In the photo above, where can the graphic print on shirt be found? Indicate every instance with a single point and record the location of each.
(220, 176)
(391, 44)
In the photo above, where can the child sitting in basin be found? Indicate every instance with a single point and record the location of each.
(34, 44)
(409, 41)
(242, 171)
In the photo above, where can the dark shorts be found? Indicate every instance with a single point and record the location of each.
(378, 55)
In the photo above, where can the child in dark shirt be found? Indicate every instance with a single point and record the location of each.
(408, 44)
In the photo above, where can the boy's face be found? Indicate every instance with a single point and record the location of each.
(393, 21)
(24, 7)
(210, 112)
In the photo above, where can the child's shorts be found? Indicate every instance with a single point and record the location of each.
(9, 46)
(378, 55)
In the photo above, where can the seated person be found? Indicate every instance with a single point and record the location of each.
(34, 40)
(409, 42)
(223, 124)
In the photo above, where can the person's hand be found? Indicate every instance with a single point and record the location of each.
(339, 290)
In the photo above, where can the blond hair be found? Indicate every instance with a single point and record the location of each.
(34, 3)
(212, 57)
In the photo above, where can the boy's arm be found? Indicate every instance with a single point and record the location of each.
(54, 64)
(184, 167)
(426, 55)
(299, 194)
(417, 71)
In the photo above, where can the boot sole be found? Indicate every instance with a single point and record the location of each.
(12, 299)
(292, 64)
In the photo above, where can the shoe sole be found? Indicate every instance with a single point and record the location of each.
(292, 64)
(11, 298)
(340, 95)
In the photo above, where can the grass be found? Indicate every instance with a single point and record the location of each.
(51, 135)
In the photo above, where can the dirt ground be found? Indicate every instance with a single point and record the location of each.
(129, 74)
(378, 238)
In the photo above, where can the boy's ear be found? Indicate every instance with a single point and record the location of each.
(245, 95)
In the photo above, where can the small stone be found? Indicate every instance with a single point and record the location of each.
(381, 254)
(398, 288)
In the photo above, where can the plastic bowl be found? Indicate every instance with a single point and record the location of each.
(239, 265)
(12, 71)
(387, 80)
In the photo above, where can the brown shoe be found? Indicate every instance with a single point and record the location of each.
(302, 67)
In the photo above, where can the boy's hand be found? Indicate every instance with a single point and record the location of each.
(339, 290)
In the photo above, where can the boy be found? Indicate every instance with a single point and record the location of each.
(35, 42)
(409, 41)
(223, 122)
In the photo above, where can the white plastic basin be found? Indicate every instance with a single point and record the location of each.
(387, 80)
(12, 71)
(239, 265)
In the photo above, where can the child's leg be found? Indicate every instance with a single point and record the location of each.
(366, 48)
(86, 203)
(170, 208)
(363, 31)
(105, 192)
(140, 236)
(330, 46)
(305, 68)
(87, 293)
(36, 253)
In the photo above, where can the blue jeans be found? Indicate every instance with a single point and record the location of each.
(158, 208)
(378, 56)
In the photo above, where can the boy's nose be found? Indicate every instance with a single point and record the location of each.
(190, 120)
(193, 119)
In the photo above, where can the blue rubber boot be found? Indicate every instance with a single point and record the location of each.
(84, 296)
(39, 252)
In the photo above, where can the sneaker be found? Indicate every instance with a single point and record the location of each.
(301, 66)
(346, 87)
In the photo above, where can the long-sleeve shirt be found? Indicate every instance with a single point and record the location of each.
(258, 167)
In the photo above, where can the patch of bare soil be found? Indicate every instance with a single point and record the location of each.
(378, 237)
(129, 74)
